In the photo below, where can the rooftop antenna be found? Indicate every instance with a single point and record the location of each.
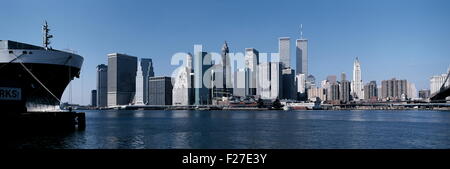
(47, 36)
(301, 31)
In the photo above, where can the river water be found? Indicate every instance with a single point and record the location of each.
(139, 129)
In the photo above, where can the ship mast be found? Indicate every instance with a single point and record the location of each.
(47, 36)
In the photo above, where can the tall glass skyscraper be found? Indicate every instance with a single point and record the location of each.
(160, 91)
(147, 72)
(202, 63)
(121, 79)
(284, 50)
(302, 55)
(94, 98)
(102, 85)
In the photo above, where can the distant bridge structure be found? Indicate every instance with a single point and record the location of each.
(443, 92)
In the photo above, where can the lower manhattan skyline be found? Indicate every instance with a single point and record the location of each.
(411, 42)
(225, 83)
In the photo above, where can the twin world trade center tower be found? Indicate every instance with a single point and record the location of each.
(290, 87)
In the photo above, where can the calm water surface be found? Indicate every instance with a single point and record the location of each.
(135, 129)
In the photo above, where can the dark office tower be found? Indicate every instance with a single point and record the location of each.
(344, 91)
(160, 91)
(102, 85)
(302, 54)
(202, 62)
(287, 74)
(94, 98)
(288, 88)
(147, 72)
(394, 89)
(424, 94)
(121, 79)
(371, 91)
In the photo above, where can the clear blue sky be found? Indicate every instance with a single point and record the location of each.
(407, 39)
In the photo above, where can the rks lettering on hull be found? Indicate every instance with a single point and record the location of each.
(7, 93)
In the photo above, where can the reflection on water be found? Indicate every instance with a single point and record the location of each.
(117, 129)
(180, 140)
(268, 115)
(180, 114)
(139, 114)
(112, 114)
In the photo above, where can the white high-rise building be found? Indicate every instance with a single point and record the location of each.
(437, 81)
(315, 92)
(324, 84)
(241, 83)
(379, 92)
(302, 54)
(182, 91)
(275, 80)
(251, 65)
(263, 89)
(270, 82)
(139, 95)
(357, 83)
(251, 59)
(412, 91)
(301, 83)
